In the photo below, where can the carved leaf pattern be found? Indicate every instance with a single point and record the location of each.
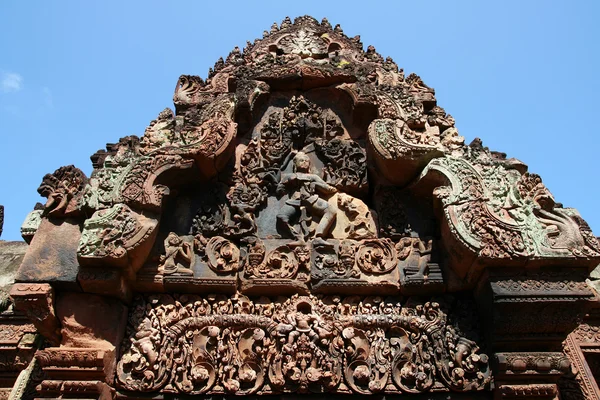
(217, 344)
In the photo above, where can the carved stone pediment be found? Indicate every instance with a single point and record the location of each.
(266, 233)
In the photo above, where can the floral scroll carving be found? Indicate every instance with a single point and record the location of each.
(376, 256)
(305, 344)
(495, 211)
(222, 254)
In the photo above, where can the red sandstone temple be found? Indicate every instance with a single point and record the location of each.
(306, 222)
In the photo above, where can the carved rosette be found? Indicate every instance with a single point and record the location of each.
(217, 344)
(223, 256)
(376, 256)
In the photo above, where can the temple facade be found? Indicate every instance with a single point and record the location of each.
(306, 221)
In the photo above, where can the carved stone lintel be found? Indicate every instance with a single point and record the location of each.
(37, 302)
(217, 344)
(86, 389)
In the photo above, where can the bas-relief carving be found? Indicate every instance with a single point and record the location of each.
(303, 152)
(303, 164)
(217, 344)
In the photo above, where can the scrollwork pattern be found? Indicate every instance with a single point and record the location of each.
(216, 344)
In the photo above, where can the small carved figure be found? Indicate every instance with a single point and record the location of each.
(176, 248)
(307, 192)
(422, 252)
(360, 226)
(415, 256)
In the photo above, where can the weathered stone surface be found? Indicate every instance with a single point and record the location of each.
(18, 337)
(32, 223)
(52, 255)
(36, 300)
(90, 321)
(11, 256)
(540, 305)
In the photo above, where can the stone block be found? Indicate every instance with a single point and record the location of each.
(52, 255)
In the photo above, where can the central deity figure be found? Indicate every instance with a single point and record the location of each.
(306, 199)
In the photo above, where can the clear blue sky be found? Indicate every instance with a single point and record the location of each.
(521, 75)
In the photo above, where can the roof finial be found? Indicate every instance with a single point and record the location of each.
(286, 23)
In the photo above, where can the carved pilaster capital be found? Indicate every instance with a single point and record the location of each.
(71, 363)
(36, 300)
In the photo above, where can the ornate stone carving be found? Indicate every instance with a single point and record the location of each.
(222, 254)
(269, 264)
(116, 236)
(347, 266)
(304, 344)
(345, 164)
(32, 223)
(37, 302)
(416, 264)
(177, 255)
(578, 383)
(548, 390)
(305, 201)
(376, 256)
(519, 220)
(533, 363)
(62, 188)
(304, 164)
(358, 221)
(138, 188)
